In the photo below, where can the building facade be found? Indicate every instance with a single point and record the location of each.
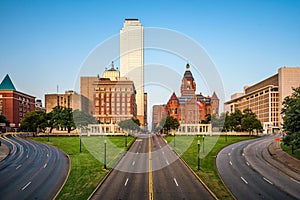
(265, 97)
(114, 101)
(132, 61)
(158, 113)
(69, 99)
(190, 109)
(14, 104)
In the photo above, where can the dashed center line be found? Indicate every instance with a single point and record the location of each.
(175, 182)
(23, 188)
(45, 165)
(126, 182)
(18, 166)
(133, 162)
(268, 180)
(230, 162)
(244, 180)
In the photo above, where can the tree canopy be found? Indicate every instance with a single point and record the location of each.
(169, 123)
(34, 120)
(291, 119)
(132, 124)
(4, 120)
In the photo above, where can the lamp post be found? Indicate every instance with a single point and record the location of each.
(104, 153)
(174, 140)
(198, 154)
(203, 144)
(80, 143)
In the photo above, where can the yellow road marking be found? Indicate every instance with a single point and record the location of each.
(150, 170)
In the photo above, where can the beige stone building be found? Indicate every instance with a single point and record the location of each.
(265, 97)
(132, 61)
(69, 99)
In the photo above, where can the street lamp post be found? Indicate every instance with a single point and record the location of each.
(174, 140)
(198, 154)
(104, 153)
(80, 143)
(203, 144)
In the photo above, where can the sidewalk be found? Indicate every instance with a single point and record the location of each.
(287, 162)
(4, 151)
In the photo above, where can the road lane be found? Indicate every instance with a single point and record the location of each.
(241, 178)
(32, 170)
(151, 170)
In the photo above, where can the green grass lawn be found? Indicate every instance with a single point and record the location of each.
(288, 149)
(212, 145)
(87, 167)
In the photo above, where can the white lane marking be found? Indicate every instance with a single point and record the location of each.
(244, 180)
(137, 152)
(230, 162)
(229, 154)
(232, 148)
(126, 182)
(19, 166)
(163, 152)
(267, 180)
(47, 155)
(175, 182)
(247, 163)
(23, 188)
(159, 146)
(133, 162)
(167, 162)
(45, 165)
(295, 180)
(27, 156)
(243, 154)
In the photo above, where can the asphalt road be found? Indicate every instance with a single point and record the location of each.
(151, 172)
(32, 170)
(247, 174)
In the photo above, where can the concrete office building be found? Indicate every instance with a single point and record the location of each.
(69, 99)
(265, 97)
(132, 61)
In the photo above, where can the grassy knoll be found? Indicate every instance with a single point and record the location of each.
(288, 149)
(212, 145)
(87, 167)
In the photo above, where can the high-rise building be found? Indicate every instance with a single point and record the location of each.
(265, 97)
(132, 61)
(14, 104)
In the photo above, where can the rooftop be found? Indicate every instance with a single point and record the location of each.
(7, 84)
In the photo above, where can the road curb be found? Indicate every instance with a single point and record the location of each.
(69, 160)
(5, 149)
(194, 173)
(221, 176)
(110, 171)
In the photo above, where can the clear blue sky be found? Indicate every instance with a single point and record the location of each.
(43, 43)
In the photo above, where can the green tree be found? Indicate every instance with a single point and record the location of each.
(235, 120)
(34, 120)
(132, 124)
(250, 122)
(62, 118)
(169, 123)
(207, 119)
(291, 119)
(4, 120)
(82, 119)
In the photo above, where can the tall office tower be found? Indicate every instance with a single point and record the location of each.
(132, 60)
